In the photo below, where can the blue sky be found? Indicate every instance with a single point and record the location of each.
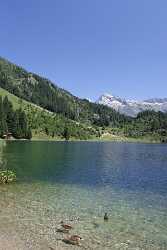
(90, 47)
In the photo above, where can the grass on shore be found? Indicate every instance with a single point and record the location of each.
(105, 138)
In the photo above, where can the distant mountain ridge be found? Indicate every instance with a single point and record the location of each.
(156, 100)
(133, 107)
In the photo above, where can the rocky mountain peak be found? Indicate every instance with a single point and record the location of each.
(132, 107)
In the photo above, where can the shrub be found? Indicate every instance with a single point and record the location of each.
(7, 176)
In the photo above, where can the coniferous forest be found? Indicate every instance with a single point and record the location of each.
(13, 123)
(55, 112)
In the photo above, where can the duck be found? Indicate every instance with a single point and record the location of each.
(66, 226)
(73, 239)
(105, 217)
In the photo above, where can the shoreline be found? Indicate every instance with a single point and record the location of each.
(125, 140)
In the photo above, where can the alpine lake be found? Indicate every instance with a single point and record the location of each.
(77, 183)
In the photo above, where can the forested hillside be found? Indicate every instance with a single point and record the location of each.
(44, 93)
(45, 124)
(148, 123)
(55, 113)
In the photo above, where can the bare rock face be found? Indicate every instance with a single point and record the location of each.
(132, 107)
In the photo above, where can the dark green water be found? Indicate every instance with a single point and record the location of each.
(59, 180)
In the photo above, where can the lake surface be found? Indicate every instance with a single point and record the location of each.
(78, 182)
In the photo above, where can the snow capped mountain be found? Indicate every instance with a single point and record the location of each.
(132, 107)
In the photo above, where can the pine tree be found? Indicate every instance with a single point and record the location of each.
(29, 134)
(3, 125)
(22, 123)
(66, 133)
(9, 113)
(16, 131)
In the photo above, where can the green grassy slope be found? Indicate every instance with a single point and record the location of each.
(16, 101)
(48, 125)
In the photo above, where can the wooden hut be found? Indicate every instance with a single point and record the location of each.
(7, 136)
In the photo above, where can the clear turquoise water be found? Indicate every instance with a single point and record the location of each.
(68, 180)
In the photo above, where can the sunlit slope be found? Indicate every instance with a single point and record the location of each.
(46, 124)
(17, 102)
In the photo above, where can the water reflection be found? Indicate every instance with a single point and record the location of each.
(120, 165)
(3, 160)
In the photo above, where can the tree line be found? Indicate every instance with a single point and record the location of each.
(13, 122)
(147, 123)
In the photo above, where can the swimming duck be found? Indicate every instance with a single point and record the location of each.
(66, 226)
(105, 217)
(73, 239)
